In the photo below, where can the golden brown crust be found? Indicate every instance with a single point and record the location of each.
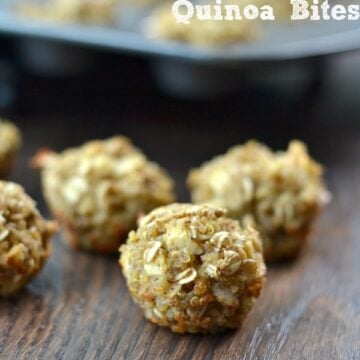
(7, 166)
(42, 156)
(24, 238)
(98, 190)
(192, 269)
(94, 240)
(10, 142)
(279, 193)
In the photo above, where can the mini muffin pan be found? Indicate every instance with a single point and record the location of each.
(281, 42)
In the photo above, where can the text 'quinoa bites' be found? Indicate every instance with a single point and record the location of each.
(192, 269)
(24, 238)
(162, 24)
(98, 190)
(10, 141)
(278, 193)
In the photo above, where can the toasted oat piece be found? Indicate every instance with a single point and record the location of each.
(24, 238)
(98, 190)
(85, 11)
(280, 194)
(10, 142)
(192, 269)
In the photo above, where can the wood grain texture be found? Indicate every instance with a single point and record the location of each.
(79, 307)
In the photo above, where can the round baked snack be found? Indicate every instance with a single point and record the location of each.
(278, 193)
(24, 238)
(162, 24)
(101, 12)
(204, 33)
(192, 269)
(10, 141)
(98, 190)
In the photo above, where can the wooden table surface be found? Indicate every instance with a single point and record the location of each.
(79, 307)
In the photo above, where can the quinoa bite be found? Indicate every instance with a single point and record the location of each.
(162, 25)
(68, 11)
(24, 238)
(98, 190)
(10, 142)
(278, 193)
(192, 269)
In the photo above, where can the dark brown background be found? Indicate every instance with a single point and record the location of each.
(79, 308)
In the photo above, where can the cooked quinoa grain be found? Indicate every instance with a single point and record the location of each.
(278, 193)
(192, 269)
(10, 141)
(98, 190)
(24, 238)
